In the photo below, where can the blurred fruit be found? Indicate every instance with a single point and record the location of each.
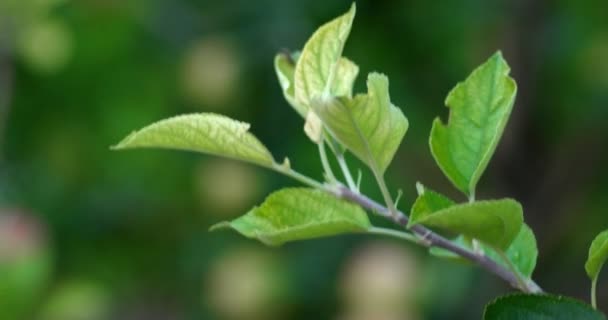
(227, 187)
(46, 46)
(210, 73)
(246, 284)
(25, 263)
(380, 282)
(77, 300)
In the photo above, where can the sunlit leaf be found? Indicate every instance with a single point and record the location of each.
(494, 222)
(285, 68)
(321, 69)
(598, 253)
(539, 307)
(479, 109)
(297, 214)
(206, 133)
(369, 125)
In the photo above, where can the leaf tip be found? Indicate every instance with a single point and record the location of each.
(286, 164)
(377, 76)
(220, 226)
(353, 9)
(419, 188)
(124, 143)
(498, 58)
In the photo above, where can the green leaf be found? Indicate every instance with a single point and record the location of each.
(297, 214)
(284, 66)
(428, 201)
(321, 70)
(539, 307)
(494, 222)
(460, 241)
(522, 252)
(206, 133)
(479, 109)
(598, 253)
(369, 125)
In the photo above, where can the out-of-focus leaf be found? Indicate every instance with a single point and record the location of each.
(539, 307)
(479, 109)
(598, 253)
(369, 125)
(206, 133)
(297, 214)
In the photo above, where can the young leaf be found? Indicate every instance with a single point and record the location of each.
(369, 125)
(428, 201)
(321, 69)
(539, 307)
(284, 66)
(598, 253)
(522, 252)
(204, 132)
(495, 222)
(297, 214)
(479, 109)
(285, 69)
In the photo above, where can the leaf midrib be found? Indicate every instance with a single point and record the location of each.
(486, 115)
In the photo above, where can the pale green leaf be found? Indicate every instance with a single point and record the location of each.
(369, 125)
(494, 222)
(298, 214)
(285, 66)
(285, 69)
(479, 109)
(522, 252)
(313, 127)
(539, 307)
(204, 132)
(598, 253)
(346, 74)
(321, 70)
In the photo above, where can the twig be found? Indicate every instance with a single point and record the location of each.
(432, 239)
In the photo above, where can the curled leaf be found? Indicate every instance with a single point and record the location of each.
(369, 125)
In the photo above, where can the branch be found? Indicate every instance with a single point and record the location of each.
(432, 239)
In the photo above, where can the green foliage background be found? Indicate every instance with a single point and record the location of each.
(124, 235)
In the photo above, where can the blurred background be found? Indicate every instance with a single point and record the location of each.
(87, 234)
